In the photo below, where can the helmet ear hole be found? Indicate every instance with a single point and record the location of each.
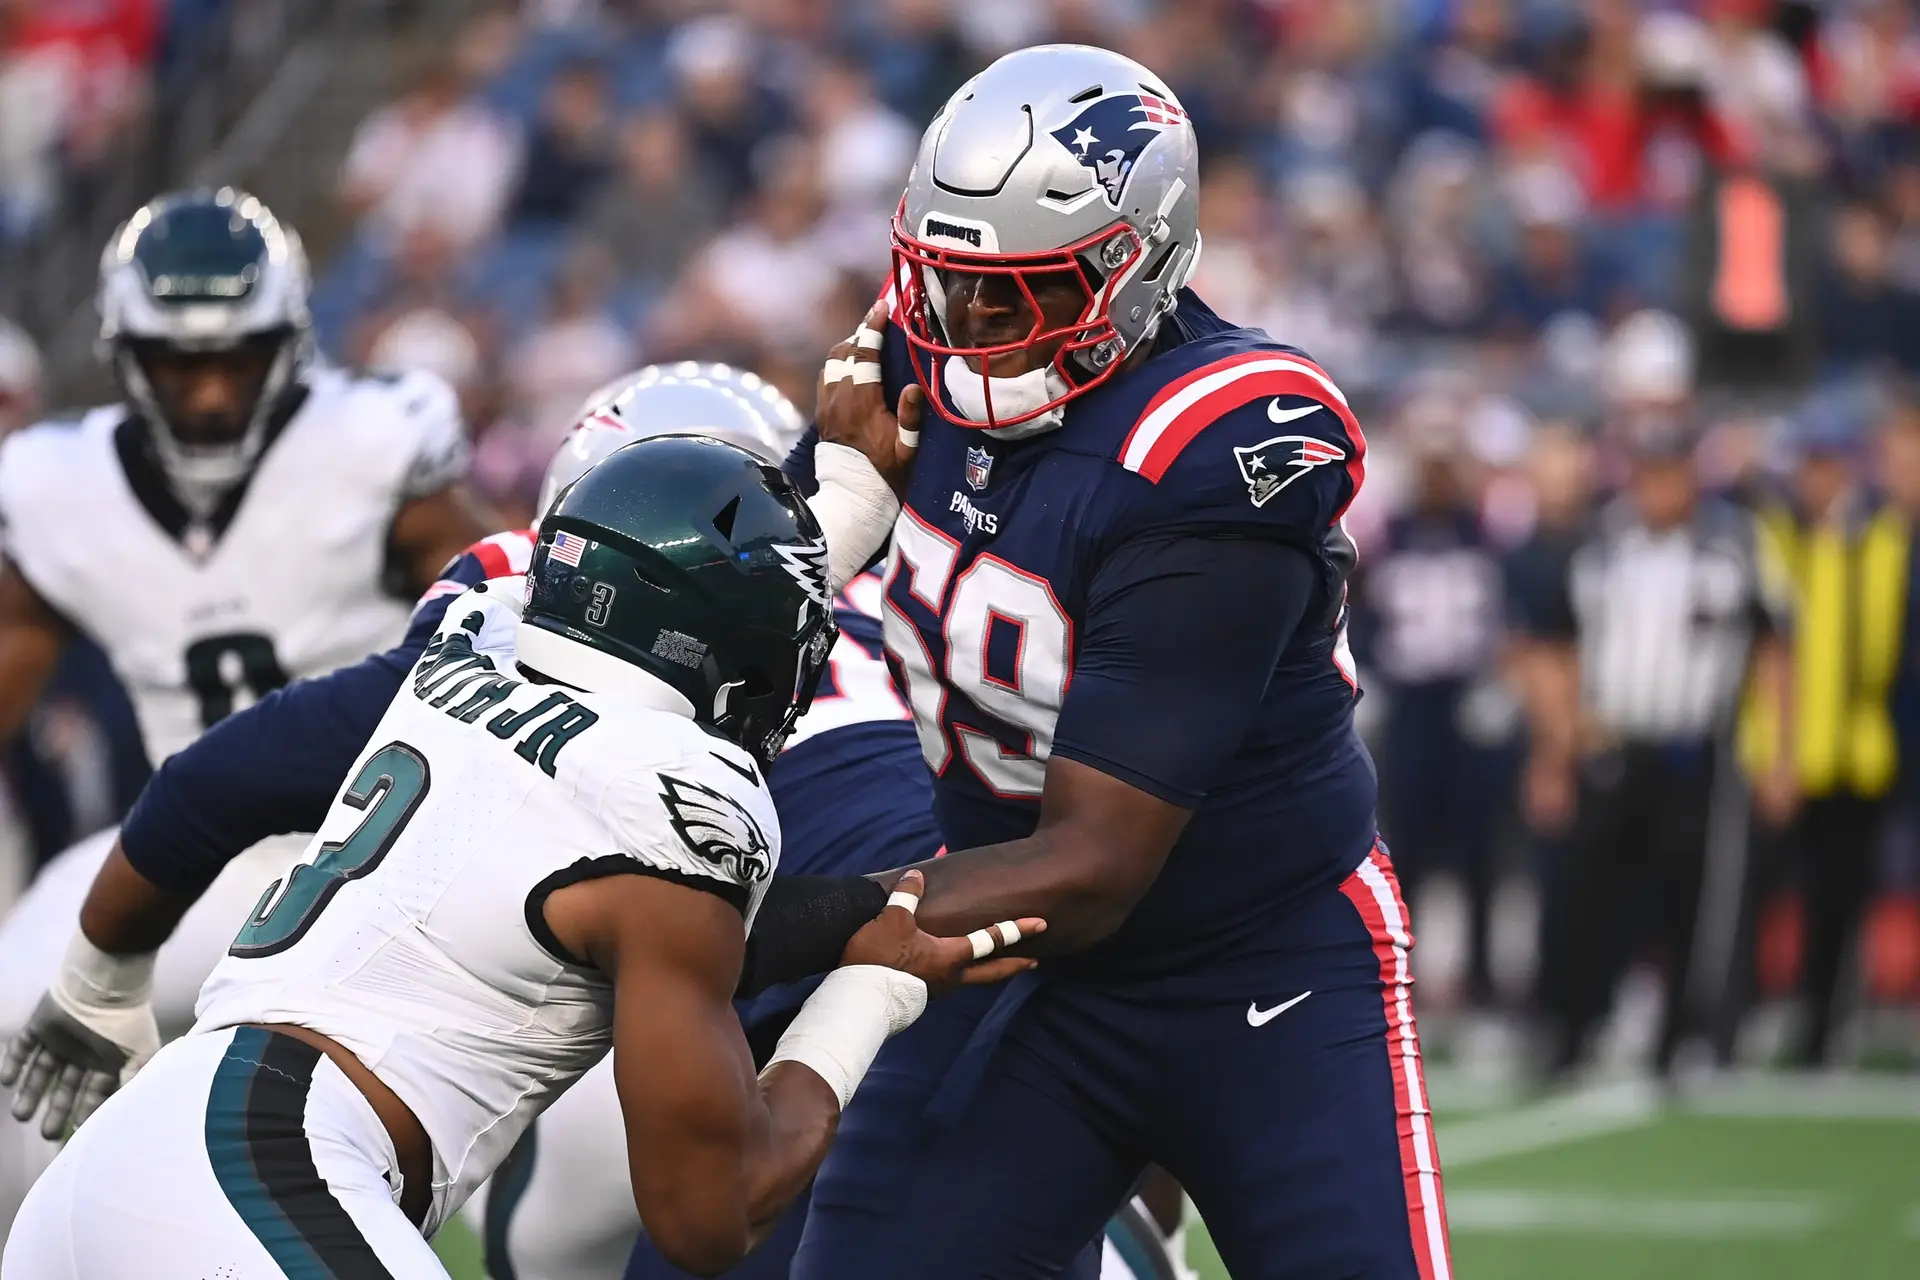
(1159, 263)
(754, 683)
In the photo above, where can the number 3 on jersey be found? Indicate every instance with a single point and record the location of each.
(389, 787)
(994, 689)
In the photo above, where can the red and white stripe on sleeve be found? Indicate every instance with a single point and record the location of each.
(1188, 405)
(503, 555)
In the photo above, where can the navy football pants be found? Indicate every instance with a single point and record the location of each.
(1305, 1140)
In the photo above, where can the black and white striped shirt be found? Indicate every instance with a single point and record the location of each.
(1665, 620)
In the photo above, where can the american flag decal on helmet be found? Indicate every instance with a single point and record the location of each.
(568, 548)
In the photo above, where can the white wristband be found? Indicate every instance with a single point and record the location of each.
(840, 1029)
(91, 978)
(856, 508)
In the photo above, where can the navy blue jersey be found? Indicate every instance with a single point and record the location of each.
(1429, 603)
(1013, 603)
(850, 789)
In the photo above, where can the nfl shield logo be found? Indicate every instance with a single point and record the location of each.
(979, 466)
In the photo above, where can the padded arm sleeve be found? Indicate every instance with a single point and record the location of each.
(804, 924)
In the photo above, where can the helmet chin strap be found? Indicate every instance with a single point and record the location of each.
(1012, 397)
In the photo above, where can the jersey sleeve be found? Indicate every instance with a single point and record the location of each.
(504, 555)
(32, 536)
(700, 821)
(1181, 636)
(1261, 444)
(439, 453)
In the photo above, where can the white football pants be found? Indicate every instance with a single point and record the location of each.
(34, 938)
(570, 1215)
(235, 1155)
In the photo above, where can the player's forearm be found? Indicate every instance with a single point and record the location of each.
(1083, 893)
(127, 914)
(1773, 673)
(1556, 702)
(709, 1208)
(28, 656)
(803, 1115)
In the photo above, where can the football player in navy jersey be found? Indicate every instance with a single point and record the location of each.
(1116, 601)
(1428, 609)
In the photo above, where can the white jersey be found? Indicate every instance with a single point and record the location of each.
(413, 933)
(856, 688)
(199, 624)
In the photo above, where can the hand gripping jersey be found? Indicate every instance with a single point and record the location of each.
(413, 932)
(1013, 561)
(284, 581)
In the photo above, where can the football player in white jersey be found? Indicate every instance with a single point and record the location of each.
(556, 840)
(243, 517)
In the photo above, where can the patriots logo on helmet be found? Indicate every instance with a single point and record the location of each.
(1272, 465)
(1109, 135)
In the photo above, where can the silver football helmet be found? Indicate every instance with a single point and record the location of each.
(202, 276)
(1060, 167)
(712, 399)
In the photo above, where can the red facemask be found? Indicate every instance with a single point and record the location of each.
(918, 264)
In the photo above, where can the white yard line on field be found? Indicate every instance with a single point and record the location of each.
(1553, 1122)
(1833, 1096)
(1675, 1217)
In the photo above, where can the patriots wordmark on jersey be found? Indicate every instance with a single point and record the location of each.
(413, 933)
(285, 581)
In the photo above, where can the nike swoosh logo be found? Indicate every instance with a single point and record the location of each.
(1276, 414)
(746, 773)
(1258, 1017)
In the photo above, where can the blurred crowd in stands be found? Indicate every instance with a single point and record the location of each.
(1521, 233)
(76, 76)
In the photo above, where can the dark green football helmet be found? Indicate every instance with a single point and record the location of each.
(701, 564)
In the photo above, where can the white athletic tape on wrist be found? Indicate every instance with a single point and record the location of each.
(984, 942)
(865, 372)
(837, 371)
(899, 898)
(856, 509)
(841, 1027)
(866, 339)
(92, 978)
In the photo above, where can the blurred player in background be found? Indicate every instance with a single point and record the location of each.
(1427, 610)
(243, 517)
(19, 377)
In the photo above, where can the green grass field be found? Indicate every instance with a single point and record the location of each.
(1746, 1179)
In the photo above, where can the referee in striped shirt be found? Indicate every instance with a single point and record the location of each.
(1665, 611)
